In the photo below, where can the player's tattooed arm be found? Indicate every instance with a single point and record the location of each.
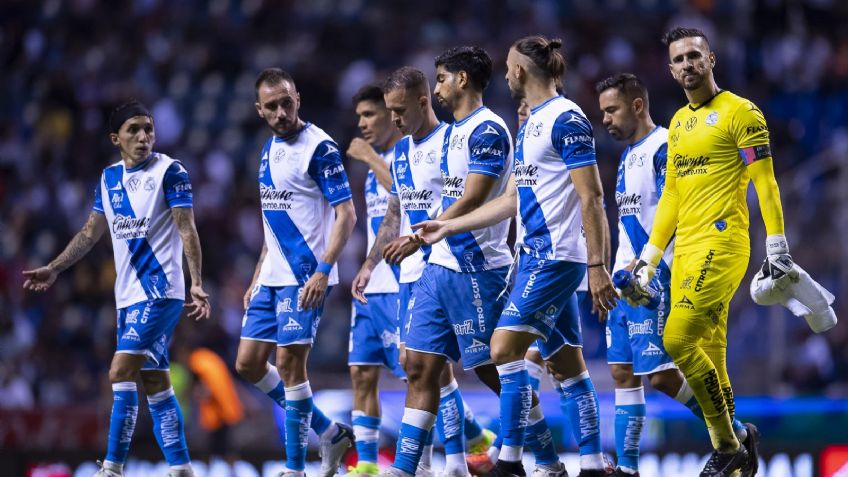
(389, 231)
(184, 219)
(41, 278)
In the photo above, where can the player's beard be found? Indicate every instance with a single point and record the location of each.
(695, 83)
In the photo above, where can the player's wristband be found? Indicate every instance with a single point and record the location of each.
(324, 267)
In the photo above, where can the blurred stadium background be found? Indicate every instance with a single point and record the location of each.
(67, 63)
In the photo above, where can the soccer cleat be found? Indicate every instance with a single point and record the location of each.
(507, 469)
(292, 473)
(363, 469)
(724, 465)
(394, 472)
(546, 471)
(620, 473)
(453, 473)
(478, 460)
(181, 473)
(333, 449)
(424, 471)
(104, 472)
(594, 473)
(750, 443)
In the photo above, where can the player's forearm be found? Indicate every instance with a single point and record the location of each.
(184, 219)
(259, 263)
(342, 228)
(607, 241)
(388, 231)
(768, 193)
(592, 210)
(81, 244)
(665, 219)
(490, 213)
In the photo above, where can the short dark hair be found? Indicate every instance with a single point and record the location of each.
(678, 33)
(472, 59)
(625, 83)
(122, 113)
(544, 53)
(369, 92)
(406, 77)
(272, 77)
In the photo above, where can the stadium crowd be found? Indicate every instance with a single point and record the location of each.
(66, 64)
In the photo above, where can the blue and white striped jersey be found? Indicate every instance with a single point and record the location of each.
(301, 179)
(478, 144)
(641, 177)
(146, 242)
(417, 181)
(384, 277)
(556, 138)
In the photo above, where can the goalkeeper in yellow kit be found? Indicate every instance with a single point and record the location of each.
(717, 143)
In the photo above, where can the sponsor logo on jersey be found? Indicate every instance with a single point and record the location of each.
(125, 227)
(685, 303)
(333, 170)
(691, 123)
(117, 200)
(431, 157)
(687, 165)
(292, 325)
(526, 175)
(644, 328)
(275, 199)
(711, 119)
(488, 150)
(628, 204)
(476, 346)
(702, 275)
(133, 184)
(531, 280)
(577, 139)
(756, 128)
(464, 328)
(416, 199)
(453, 186)
(490, 130)
(652, 350)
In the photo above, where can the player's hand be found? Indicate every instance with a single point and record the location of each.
(603, 292)
(313, 292)
(400, 248)
(360, 150)
(39, 279)
(778, 263)
(248, 295)
(646, 266)
(360, 282)
(200, 307)
(431, 231)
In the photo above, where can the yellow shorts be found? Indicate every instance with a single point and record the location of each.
(702, 284)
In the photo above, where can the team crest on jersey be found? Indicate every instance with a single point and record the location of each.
(389, 339)
(284, 306)
(132, 317)
(712, 118)
(149, 184)
(468, 256)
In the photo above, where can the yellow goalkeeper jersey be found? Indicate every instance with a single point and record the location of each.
(710, 146)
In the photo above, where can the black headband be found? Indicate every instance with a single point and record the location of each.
(122, 113)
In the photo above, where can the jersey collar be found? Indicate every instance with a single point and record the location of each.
(142, 165)
(429, 134)
(640, 141)
(547, 101)
(465, 119)
(292, 135)
(706, 102)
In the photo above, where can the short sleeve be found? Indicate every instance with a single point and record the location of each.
(98, 199)
(748, 128)
(488, 146)
(660, 161)
(572, 138)
(327, 170)
(177, 186)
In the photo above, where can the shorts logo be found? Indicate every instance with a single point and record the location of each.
(477, 302)
(477, 346)
(686, 284)
(511, 310)
(652, 350)
(466, 328)
(548, 317)
(145, 315)
(685, 303)
(715, 313)
(284, 306)
(132, 317)
(292, 325)
(389, 339)
(131, 335)
(644, 328)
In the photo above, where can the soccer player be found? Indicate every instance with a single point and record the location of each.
(145, 200)
(374, 328)
(416, 196)
(634, 333)
(302, 186)
(557, 188)
(717, 144)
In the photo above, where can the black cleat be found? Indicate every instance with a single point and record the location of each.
(507, 469)
(620, 473)
(723, 465)
(750, 443)
(595, 473)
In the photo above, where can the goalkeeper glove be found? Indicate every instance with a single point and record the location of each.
(778, 262)
(646, 267)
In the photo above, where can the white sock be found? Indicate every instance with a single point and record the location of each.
(592, 461)
(456, 462)
(426, 456)
(114, 466)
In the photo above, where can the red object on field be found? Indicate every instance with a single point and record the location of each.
(834, 461)
(49, 470)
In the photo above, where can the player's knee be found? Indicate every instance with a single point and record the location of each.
(292, 368)
(155, 381)
(250, 369)
(364, 378)
(667, 383)
(503, 353)
(623, 376)
(122, 372)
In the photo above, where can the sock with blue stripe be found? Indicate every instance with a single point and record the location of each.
(539, 439)
(168, 426)
(516, 399)
(450, 423)
(367, 431)
(686, 396)
(629, 421)
(122, 422)
(298, 416)
(473, 430)
(535, 372)
(273, 386)
(414, 428)
(580, 403)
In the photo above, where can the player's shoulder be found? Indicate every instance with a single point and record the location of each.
(731, 101)
(484, 122)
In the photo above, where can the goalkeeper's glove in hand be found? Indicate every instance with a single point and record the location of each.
(778, 263)
(646, 267)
